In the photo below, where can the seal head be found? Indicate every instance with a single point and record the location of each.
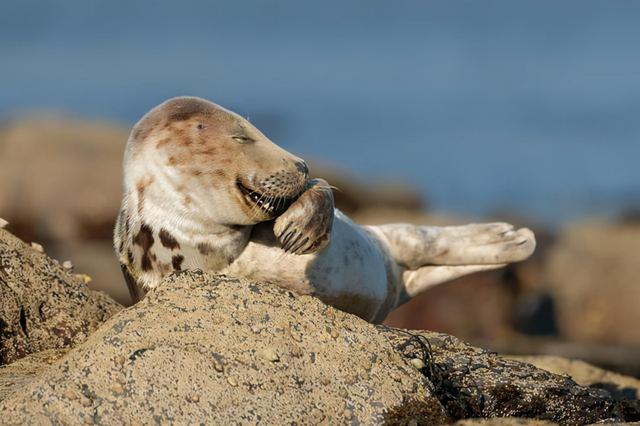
(197, 177)
(228, 171)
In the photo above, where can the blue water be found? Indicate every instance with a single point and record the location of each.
(531, 107)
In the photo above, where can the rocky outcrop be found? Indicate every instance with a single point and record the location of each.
(60, 177)
(621, 386)
(214, 349)
(42, 305)
(472, 382)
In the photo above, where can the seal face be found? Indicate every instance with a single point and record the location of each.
(214, 154)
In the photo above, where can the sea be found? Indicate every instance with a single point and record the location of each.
(491, 107)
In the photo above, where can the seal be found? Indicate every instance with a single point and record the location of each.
(205, 189)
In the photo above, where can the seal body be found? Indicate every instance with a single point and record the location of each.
(204, 189)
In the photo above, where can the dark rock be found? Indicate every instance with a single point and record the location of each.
(42, 305)
(472, 382)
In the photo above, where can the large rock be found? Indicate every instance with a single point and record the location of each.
(43, 306)
(60, 178)
(585, 374)
(216, 349)
(213, 349)
(472, 382)
(594, 276)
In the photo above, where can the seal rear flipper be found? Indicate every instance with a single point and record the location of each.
(134, 289)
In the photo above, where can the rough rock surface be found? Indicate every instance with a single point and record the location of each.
(503, 421)
(624, 387)
(472, 382)
(204, 347)
(42, 305)
(19, 373)
(211, 348)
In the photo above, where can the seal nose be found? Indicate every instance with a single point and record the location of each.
(302, 168)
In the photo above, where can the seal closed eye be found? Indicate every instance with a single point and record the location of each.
(204, 188)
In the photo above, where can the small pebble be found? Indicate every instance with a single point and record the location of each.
(218, 366)
(270, 355)
(232, 381)
(86, 402)
(317, 415)
(120, 360)
(117, 388)
(296, 351)
(295, 335)
(417, 363)
(351, 379)
(217, 320)
(37, 247)
(348, 413)
(3, 223)
(67, 265)
(70, 394)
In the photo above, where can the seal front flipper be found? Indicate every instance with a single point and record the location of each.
(305, 227)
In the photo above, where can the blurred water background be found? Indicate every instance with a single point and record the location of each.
(526, 107)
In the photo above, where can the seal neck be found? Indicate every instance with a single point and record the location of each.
(153, 239)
